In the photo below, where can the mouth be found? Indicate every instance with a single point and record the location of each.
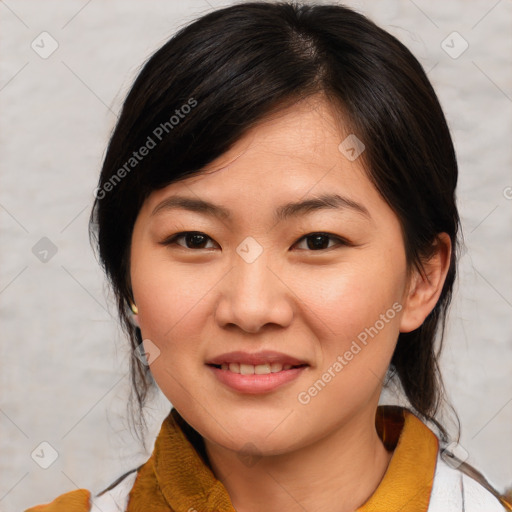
(256, 373)
(259, 369)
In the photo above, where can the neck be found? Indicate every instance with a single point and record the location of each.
(337, 473)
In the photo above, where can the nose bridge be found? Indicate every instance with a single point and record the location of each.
(252, 270)
(253, 295)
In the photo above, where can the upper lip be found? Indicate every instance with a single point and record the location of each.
(255, 358)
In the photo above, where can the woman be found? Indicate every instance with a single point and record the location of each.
(276, 214)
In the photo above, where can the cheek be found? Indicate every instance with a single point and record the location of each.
(354, 315)
(170, 298)
(354, 312)
(350, 297)
(172, 308)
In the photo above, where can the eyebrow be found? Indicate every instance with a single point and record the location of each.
(285, 211)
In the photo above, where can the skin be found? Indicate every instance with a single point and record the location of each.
(199, 301)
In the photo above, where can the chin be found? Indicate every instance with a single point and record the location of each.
(244, 431)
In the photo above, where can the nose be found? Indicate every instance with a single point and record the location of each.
(253, 295)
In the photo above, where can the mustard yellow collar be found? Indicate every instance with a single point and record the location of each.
(177, 477)
(408, 481)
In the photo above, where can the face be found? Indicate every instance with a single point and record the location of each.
(322, 287)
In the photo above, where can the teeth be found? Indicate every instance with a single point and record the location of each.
(259, 369)
(246, 369)
(262, 369)
(276, 367)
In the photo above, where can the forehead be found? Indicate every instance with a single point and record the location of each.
(308, 131)
(294, 152)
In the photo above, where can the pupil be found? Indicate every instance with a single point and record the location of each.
(317, 242)
(194, 239)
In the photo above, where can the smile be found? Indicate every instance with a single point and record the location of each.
(255, 379)
(259, 369)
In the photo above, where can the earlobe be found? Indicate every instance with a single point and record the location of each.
(425, 288)
(134, 313)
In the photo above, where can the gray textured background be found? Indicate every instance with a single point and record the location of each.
(64, 363)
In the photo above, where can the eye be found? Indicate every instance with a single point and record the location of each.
(193, 240)
(198, 240)
(318, 241)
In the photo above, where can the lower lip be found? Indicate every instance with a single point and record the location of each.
(256, 383)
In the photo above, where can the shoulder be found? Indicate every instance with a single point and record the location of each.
(113, 499)
(74, 501)
(455, 491)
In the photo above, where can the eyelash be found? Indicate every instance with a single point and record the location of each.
(341, 241)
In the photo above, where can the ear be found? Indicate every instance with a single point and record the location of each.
(424, 290)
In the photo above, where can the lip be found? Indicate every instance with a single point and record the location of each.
(255, 358)
(256, 384)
